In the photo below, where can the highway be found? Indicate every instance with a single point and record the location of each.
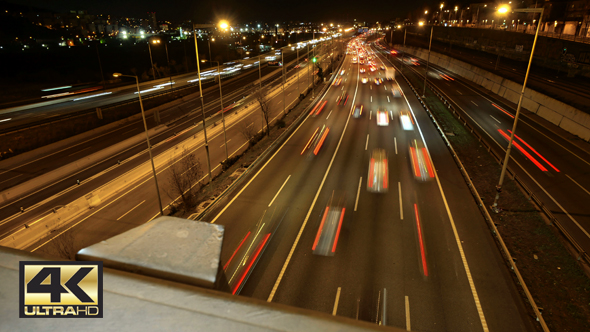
(551, 163)
(16, 117)
(137, 203)
(573, 91)
(39, 204)
(421, 249)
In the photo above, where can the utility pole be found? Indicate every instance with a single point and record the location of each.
(284, 72)
(202, 107)
(428, 62)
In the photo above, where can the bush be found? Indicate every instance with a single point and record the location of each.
(226, 164)
(281, 123)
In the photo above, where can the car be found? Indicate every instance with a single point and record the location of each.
(382, 67)
(365, 80)
(362, 70)
(382, 117)
(376, 81)
(372, 68)
(326, 239)
(358, 111)
(342, 72)
(338, 81)
(343, 98)
(316, 141)
(378, 179)
(406, 120)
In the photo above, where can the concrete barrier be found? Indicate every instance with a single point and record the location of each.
(562, 115)
(42, 227)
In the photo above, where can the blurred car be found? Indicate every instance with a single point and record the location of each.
(365, 80)
(382, 117)
(338, 81)
(378, 179)
(330, 224)
(376, 80)
(421, 165)
(396, 92)
(342, 72)
(372, 68)
(343, 98)
(406, 120)
(382, 67)
(316, 141)
(358, 111)
(362, 70)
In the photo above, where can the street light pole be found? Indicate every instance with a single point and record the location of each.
(284, 72)
(168, 61)
(203, 108)
(494, 206)
(298, 91)
(151, 61)
(222, 110)
(147, 137)
(427, 62)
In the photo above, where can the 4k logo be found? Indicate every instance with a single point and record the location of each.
(61, 289)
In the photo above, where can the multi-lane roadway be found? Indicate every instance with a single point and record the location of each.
(308, 230)
(553, 164)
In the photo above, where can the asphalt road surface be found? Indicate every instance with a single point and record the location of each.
(422, 249)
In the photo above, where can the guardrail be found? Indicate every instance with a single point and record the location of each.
(481, 205)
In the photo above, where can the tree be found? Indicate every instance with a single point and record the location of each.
(247, 131)
(264, 103)
(184, 174)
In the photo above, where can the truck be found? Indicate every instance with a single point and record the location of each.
(390, 73)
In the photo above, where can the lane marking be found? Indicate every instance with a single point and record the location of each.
(395, 143)
(336, 302)
(455, 233)
(370, 114)
(371, 98)
(358, 193)
(133, 208)
(388, 99)
(278, 192)
(18, 176)
(280, 277)
(86, 148)
(498, 121)
(222, 145)
(408, 325)
(459, 92)
(329, 115)
(579, 185)
(367, 143)
(401, 206)
(474, 103)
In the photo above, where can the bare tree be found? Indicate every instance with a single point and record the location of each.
(247, 130)
(184, 174)
(264, 103)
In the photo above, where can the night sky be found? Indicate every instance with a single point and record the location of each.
(240, 11)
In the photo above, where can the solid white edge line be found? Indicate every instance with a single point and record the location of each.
(579, 185)
(336, 302)
(455, 233)
(358, 193)
(401, 206)
(133, 208)
(280, 277)
(278, 192)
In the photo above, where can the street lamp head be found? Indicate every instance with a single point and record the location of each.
(504, 9)
(442, 5)
(117, 74)
(426, 12)
(223, 24)
(421, 23)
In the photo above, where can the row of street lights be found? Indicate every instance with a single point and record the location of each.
(502, 10)
(223, 25)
